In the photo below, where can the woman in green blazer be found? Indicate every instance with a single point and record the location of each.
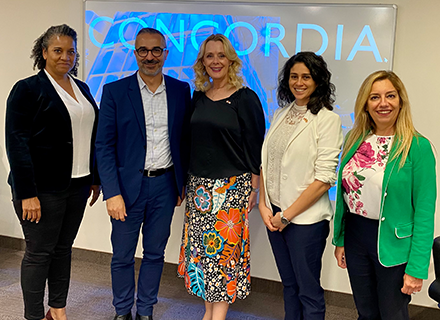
(384, 219)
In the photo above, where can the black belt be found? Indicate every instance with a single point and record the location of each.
(158, 172)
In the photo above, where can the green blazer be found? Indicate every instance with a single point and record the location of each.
(406, 221)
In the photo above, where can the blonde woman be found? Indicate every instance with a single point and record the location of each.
(227, 130)
(384, 220)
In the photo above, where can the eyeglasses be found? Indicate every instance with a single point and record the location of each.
(156, 51)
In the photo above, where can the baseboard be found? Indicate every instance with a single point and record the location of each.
(12, 243)
(170, 269)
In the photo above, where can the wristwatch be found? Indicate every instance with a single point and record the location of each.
(284, 220)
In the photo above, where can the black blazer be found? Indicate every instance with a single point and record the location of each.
(39, 138)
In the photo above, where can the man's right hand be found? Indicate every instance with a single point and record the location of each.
(116, 207)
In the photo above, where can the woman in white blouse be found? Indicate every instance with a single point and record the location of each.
(50, 131)
(299, 159)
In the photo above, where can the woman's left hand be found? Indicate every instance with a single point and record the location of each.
(411, 285)
(340, 257)
(276, 222)
(252, 201)
(95, 191)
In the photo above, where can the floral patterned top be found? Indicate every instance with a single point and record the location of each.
(362, 176)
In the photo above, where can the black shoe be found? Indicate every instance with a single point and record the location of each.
(126, 317)
(138, 317)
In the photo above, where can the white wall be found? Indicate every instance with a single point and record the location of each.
(416, 62)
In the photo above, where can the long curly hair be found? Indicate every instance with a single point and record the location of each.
(43, 42)
(324, 94)
(202, 80)
(364, 124)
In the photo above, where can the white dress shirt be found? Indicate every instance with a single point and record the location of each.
(158, 155)
(82, 118)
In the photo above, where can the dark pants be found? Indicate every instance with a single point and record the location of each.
(152, 213)
(376, 289)
(49, 247)
(298, 253)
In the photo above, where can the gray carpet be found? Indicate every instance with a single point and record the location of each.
(90, 297)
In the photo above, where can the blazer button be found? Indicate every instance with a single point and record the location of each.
(141, 171)
(284, 176)
(383, 219)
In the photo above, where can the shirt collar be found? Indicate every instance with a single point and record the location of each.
(142, 85)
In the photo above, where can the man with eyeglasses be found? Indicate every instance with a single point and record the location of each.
(142, 153)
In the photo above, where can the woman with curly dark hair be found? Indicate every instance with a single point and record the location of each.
(299, 159)
(51, 123)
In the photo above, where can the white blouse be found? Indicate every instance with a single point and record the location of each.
(277, 145)
(82, 118)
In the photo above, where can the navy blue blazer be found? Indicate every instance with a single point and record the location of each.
(121, 139)
(39, 141)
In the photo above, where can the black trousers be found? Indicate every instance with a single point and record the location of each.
(376, 289)
(49, 247)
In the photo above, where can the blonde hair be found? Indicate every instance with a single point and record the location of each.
(202, 80)
(363, 123)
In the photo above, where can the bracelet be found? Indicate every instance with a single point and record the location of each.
(255, 189)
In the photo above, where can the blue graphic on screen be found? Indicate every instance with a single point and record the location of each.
(185, 33)
(257, 41)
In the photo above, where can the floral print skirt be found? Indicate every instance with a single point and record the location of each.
(214, 256)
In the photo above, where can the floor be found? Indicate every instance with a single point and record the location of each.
(90, 296)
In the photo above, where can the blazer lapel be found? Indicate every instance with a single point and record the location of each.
(135, 97)
(305, 122)
(54, 96)
(171, 104)
(86, 93)
(351, 152)
(276, 123)
(308, 118)
(391, 164)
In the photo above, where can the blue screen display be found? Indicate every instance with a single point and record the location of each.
(184, 33)
(354, 40)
